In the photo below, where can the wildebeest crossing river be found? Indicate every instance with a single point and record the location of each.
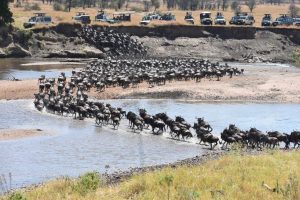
(74, 146)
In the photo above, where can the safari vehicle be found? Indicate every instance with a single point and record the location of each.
(38, 19)
(78, 15)
(101, 16)
(234, 20)
(189, 18)
(85, 19)
(245, 19)
(168, 17)
(121, 17)
(148, 18)
(297, 21)
(267, 20)
(220, 19)
(242, 18)
(205, 18)
(145, 20)
(284, 19)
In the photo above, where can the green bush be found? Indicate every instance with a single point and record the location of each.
(296, 57)
(58, 7)
(136, 9)
(34, 6)
(89, 182)
(23, 36)
(16, 196)
(18, 4)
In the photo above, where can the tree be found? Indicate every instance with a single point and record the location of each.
(235, 6)
(120, 3)
(219, 2)
(224, 4)
(155, 4)
(69, 5)
(194, 4)
(293, 10)
(251, 4)
(171, 4)
(5, 13)
(147, 5)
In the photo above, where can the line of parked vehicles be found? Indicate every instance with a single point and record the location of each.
(242, 18)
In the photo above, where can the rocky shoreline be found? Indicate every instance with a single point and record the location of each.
(119, 176)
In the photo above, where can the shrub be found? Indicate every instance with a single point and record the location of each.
(29, 7)
(58, 7)
(18, 4)
(296, 58)
(16, 196)
(136, 9)
(23, 36)
(87, 183)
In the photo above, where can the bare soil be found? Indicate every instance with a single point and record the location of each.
(266, 47)
(258, 84)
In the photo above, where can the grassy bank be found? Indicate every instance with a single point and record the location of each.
(296, 58)
(273, 175)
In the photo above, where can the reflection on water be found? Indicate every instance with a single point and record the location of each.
(10, 68)
(79, 146)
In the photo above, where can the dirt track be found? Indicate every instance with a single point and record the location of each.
(259, 84)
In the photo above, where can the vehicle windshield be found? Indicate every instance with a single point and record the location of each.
(47, 19)
(219, 17)
(32, 19)
(146, 18)
(205, 15)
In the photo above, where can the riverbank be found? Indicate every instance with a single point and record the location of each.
(258, 84)
(233, 176)
(67, 40)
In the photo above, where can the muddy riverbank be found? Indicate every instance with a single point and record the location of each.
(260, 83)
(218, 43)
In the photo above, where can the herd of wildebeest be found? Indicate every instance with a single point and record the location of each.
(113, 43)
(69, 96)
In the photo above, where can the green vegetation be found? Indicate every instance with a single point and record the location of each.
(16, 196)
(296, 57)
(58, 7)
(89, 182)
(34, 6)
(5, 13)
(273, 175)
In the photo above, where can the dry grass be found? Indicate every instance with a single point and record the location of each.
(230, 177)
(22, 16)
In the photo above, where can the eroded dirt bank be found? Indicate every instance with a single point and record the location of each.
(217, 43)
(265, 47)
(258, 84)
